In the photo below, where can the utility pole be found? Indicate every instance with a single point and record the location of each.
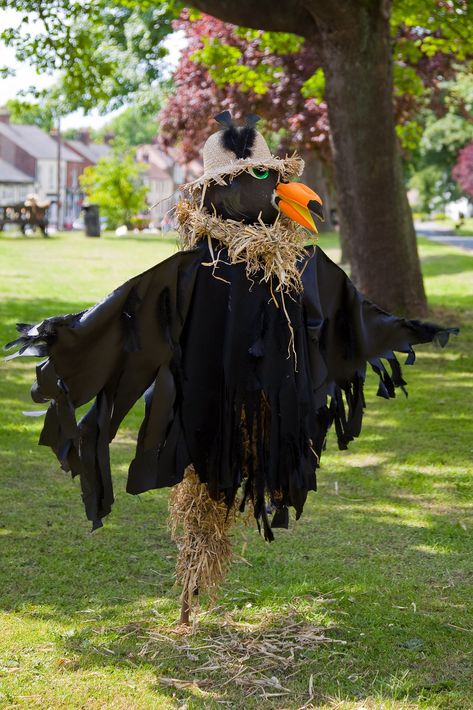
(58, 212)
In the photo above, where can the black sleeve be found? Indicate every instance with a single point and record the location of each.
(347, 332)
(113, 352)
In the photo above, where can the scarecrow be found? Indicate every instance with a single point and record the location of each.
(247, 346)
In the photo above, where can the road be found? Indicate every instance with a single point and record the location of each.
(430, 231)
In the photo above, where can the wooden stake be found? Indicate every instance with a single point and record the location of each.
(185, 610)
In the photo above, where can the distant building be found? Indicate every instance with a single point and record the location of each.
(29, 164)
(163, 177)
(89, 154)
(459, 207)
(34, 153)
(29, 156)
(14, 184)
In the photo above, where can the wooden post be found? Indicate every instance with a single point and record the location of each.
(185, 610)
(59, 225)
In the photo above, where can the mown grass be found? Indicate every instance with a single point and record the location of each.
(381, 559)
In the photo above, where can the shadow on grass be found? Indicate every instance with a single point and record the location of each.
(356, 598)
(352, 568)
(28, 237)
(224, 659)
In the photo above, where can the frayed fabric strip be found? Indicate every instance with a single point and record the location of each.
(209, 350)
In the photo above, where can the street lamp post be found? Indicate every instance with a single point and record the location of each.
(58, 212)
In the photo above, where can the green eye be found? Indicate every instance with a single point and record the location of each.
(259, 173)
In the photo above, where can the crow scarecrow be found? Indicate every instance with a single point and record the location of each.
(247, 346)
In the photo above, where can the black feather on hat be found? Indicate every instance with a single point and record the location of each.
(239, 140)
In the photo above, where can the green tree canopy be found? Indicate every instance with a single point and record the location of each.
(110, 51)
(35, 113)
(106, 50)
(133, 126)
(116, 185)
(431, 162)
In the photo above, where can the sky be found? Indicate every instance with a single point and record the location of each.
(25, 75)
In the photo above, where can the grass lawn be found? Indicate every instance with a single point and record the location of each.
(366, 602)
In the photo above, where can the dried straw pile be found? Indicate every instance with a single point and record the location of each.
(267, 659)
(269, 252)
(199, 526)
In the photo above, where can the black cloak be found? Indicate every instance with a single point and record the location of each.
(237, 380)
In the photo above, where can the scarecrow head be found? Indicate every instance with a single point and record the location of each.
(243, 181)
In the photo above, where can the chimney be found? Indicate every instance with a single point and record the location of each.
(4, 115)
(83, 135)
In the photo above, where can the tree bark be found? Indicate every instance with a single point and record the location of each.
(315, 176)
(374, 214)
(320, 177)
(278, 16)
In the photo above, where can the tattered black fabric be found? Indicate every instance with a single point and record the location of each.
(238, 380)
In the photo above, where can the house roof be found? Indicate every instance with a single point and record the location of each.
(154, 172)
(165, 161)
(99, 149)
(154, 156)
(90, 151)
(8, 173)
(36, 142)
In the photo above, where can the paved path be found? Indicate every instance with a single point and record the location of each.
(445, 237)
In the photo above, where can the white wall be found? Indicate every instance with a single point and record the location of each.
(14, 192)
(178, 173)
(46, 178)
(159, 191)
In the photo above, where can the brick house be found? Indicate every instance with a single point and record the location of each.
(32, 151)
(29, 156)
(29, 163)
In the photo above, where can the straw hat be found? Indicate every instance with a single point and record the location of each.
(234, 149)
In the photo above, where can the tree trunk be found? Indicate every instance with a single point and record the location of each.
(319, 176)
(315, 176)
(345, 248)
(374, 212)
(354, 40)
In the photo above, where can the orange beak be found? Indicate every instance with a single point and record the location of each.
(298, 201)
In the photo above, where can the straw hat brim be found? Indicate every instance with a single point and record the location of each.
(288, 167)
